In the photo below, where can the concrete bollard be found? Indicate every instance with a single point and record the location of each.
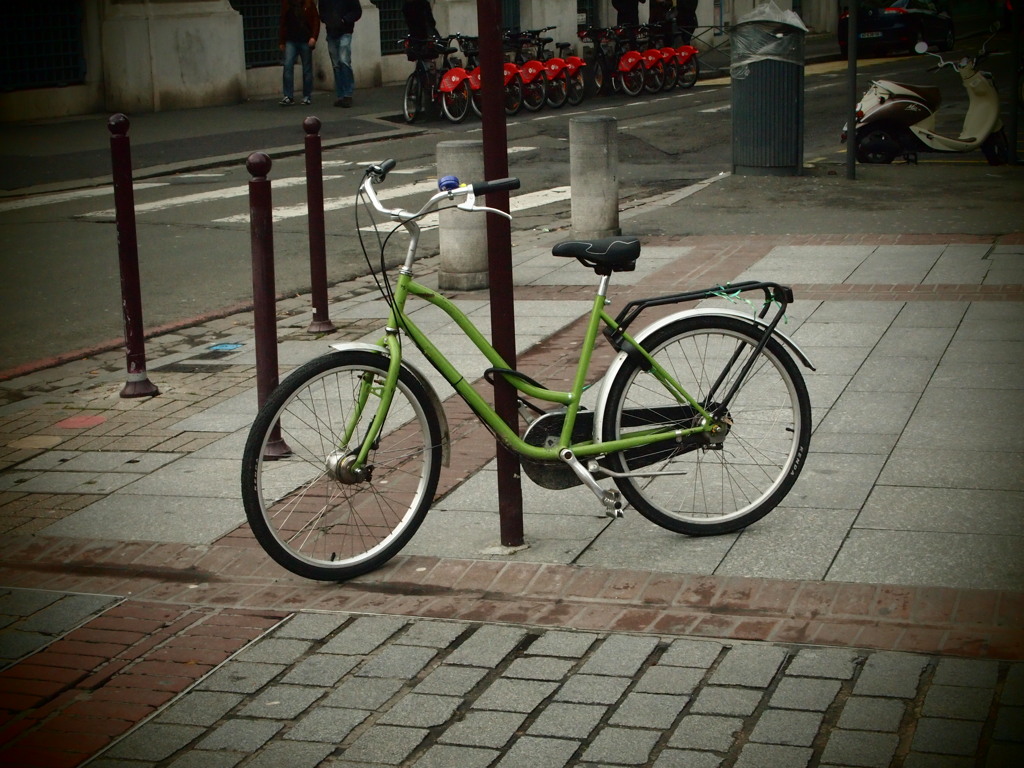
(594, 176)
(463, 237)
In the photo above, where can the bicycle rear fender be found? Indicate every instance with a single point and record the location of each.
(435, 401)
(620, 359)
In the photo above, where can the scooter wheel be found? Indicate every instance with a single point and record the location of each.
(877, 145)
(996, 149)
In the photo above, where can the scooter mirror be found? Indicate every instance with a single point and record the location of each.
(921, 47)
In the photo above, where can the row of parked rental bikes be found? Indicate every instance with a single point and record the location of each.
(625, 59)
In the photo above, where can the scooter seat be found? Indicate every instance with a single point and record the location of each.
(929, 93)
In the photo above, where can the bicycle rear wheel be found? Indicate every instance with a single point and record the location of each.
(412, 98)
(308, 510)
(710, 483)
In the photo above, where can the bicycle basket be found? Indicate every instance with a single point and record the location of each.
(420, 50)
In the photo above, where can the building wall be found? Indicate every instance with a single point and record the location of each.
(150, 55)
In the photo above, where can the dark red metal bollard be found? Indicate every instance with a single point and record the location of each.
(138, 383)
(317, 230)
(261, 229)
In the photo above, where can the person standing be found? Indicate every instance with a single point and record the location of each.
(627, 12)
(687, 20)
(340, 17)
(298, 31)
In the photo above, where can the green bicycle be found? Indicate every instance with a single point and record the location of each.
(702, 421)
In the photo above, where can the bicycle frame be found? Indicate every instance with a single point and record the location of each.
(399, 321)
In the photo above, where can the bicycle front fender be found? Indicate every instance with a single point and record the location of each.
(452, 78)
(630, 60)
(435, 401)
(620, 359)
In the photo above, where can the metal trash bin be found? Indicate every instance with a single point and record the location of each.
(767, 71)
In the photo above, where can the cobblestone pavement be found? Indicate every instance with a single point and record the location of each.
(332, 689)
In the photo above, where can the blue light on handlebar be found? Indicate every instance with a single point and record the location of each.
(448, 183)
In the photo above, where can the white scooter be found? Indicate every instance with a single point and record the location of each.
(896, 119)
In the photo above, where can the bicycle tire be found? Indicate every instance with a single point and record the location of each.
(727, 484)
(534, 94)
(557, 90)
(597, 77)
(671, 75)
(689, 71)
(302, 513)
(632, 80)
(412, 98)
(476, 102)
(654, 78)
(514, 96)
(577, 89)
(455, 103)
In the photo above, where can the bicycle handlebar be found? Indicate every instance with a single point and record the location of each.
(375, 174)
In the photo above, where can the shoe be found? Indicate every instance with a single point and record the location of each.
(307, 100)
(287, 101)
(339, 102)
(345, 101)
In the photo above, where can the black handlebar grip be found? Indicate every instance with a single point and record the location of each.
(380, 172)
(483, 187)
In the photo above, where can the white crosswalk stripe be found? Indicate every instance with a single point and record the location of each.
(199, 197)
(68, 197)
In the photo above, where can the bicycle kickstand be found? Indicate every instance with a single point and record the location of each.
(610, 498)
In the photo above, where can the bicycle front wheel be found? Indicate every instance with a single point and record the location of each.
(514, 95)
(710, 483)
(654, 78)
(534, 93)
(412, 98)
(633, 80)
(309, 510)
(557, 90)
(688, 73)
(455, 103)
(577, 89)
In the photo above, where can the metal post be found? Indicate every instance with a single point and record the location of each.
(261, 229)
(138, 383)
(851, 92)
(499, 247)
(317, 231)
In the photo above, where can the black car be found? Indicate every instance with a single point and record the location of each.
(898, 25)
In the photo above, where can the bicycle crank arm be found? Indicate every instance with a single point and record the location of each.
(611, 499)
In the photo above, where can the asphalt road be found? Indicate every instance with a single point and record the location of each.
(59, 282)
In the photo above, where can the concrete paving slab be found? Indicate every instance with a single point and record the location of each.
(789, 544)
(898, 264)
(835, 481)
(931, 314)
(969, 561)
(550, 538)
(954, 468)
(173, 518)
(634, 539)
(860, 412)
(949, 510)
(932, 424)
(206, 478)
(809, 263)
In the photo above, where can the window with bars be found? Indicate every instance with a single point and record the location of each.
(42, 49)
(392, 23)
(260, 21)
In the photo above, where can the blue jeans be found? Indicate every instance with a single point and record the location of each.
(340, 49)
(291, 51)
